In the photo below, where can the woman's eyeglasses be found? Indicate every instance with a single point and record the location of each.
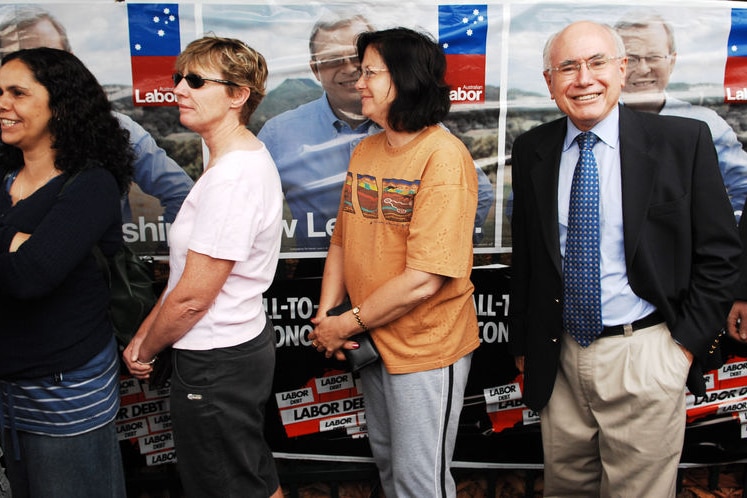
(196, 81)
(371, 72)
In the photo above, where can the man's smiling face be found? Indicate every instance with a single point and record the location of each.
(587, 96)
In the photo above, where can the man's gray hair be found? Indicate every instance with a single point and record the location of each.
(14, 19)
(334, 22)
(642, 20)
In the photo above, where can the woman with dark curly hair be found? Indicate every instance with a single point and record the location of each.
(402, 251)
(65, 164)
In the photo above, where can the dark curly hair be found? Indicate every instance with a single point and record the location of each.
(417, 66)
(84, 131)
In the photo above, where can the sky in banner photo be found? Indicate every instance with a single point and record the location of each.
(260, 25)
(99, 34)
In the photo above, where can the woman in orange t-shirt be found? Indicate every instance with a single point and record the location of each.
(402, 252)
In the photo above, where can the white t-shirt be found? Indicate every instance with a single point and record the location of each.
(233, 212)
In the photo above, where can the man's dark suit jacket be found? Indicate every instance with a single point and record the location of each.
(681, 243)
(740, 289)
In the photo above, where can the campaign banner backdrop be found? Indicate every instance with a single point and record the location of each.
(318, 402)
(144, 420)
(494, 53)
(495, 68)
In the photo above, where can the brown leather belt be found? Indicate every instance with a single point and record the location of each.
(654, 318)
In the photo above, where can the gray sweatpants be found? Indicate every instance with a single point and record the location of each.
(412, 424)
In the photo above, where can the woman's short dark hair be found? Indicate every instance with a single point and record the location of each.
(84, 131)
(417, 66)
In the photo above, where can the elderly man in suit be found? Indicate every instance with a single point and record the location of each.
(625, 251)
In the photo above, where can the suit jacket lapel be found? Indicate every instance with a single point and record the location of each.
(638, 168)
(546, 187)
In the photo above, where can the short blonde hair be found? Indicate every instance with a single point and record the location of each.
(236, 62)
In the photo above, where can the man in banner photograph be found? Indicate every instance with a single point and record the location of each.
(311, 144)
(652, 54)
(312, 159)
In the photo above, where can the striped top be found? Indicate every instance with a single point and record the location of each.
(66, 403)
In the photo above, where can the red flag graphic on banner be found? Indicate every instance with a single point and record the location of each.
(462, 32)
(154, 46)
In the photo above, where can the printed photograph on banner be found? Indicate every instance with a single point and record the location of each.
(676, 65)
(311, 119)
(169, 157)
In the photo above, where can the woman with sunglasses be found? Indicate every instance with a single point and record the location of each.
(402, 251)
(224, 248)
(65, 163)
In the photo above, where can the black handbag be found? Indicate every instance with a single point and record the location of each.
(132, 297)
(367, 353)
(161, 374)
(131, 291)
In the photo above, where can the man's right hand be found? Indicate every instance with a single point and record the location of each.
(736, 321)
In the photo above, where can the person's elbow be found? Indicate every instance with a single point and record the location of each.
(189, 306)
(425, 285)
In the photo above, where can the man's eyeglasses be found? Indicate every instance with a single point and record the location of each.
(196, 81)
(571, 69)
(650, 60)
(336, 61)
(370, 72)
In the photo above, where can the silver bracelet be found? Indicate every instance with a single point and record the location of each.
(147, 362)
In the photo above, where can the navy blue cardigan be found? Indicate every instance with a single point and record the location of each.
(53, 298)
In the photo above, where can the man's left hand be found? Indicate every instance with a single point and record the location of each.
(687, 354)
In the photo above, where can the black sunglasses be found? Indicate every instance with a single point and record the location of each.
(197, 81)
